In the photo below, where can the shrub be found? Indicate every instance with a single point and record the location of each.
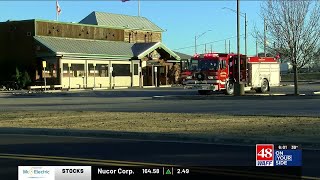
(22, 79)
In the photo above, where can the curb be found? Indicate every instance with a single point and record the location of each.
(158, 136)
(245, 97)
(303, 81)
(162, 86)
(290, 85)
(40, 94)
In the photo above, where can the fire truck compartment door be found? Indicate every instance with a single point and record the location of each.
(259, 71)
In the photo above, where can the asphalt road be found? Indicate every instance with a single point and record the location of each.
(49, 150)
(133, 100)
(116, 151)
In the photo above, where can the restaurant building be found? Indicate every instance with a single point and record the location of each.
(103, 50)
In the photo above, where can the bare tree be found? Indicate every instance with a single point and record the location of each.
(294, 28)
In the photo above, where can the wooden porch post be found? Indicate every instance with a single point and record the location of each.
(152, 75)
(166, 73)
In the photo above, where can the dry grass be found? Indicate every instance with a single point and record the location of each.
(197, 124)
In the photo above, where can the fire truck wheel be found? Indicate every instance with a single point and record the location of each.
(264, 86)
(205, 92)
(229, 88)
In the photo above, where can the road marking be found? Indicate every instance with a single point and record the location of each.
(146, 140)
(62, 160)
(129, 163)
(308, 177)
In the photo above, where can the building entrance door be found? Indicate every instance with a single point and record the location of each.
(154, 75)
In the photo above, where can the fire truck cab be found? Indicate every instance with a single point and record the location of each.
(219, 71)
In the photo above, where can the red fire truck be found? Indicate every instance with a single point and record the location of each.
(219, 71)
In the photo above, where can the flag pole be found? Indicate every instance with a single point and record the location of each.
(56, 10)
(138, 7)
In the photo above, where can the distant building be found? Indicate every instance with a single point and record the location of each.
(102, 50)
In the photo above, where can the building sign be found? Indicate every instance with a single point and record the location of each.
(155, 55)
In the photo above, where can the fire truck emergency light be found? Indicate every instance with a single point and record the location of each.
(196, 56)
(210, 55)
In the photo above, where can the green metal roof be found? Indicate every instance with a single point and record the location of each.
(156, 46)
(139, 48)
(120, 21)
(182, 55)
(99, 48)
(60, 45)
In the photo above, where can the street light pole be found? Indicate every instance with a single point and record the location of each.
(245, 26)
(195, 40)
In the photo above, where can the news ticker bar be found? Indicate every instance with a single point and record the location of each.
(104, 172)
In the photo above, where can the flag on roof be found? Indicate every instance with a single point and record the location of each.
(58, 7)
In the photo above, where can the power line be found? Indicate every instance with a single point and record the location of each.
(208, 42)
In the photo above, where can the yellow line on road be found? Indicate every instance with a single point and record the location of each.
(64, 161)
(308, 177)
(123, 163)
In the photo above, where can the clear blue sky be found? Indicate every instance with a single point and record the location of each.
(182, 19)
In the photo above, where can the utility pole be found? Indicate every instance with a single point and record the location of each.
(238, 39)
(205, 48)
(229, 47)
(238, 86)
(225, 45)
(195, 44)
(265, 37)
(245, 33)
